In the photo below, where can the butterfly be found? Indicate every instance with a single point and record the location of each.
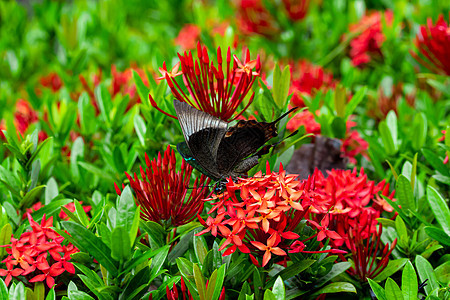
(219, 151)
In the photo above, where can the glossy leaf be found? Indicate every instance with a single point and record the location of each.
(409, 282)
(440, 208)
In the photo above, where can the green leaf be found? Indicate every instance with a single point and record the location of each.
(339, 127)
(409, 282)
(199, 282)
(160, 258)
(95, 170)
(281, 81)
(141, 129)
(51, 190)
(268, 295)
(340, 100)
(135, 225)
(419, 131)
(278, 289)
(291, 271)
(404, 194)
(443, 273)
(356, 99)
(51, 295)
(219, 283)
(436, 162)
(30, 197)
(402, 233)
(86, 241)
(5, 238)
(103, 98)
(438, 235)
(134, 288)
(392, 267)
(200, 248)
(338, 268)
(440, 208)
(3, 290)
(125, 210)
(377, 290)
(425, 271)
(50, 209)
(336, 287)
(387, 139)
(120, 244)
(142, 90)
(392, 290)
(156, 233)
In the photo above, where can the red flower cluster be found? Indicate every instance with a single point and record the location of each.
(433, 43)
(307, 79)
(296, 9)
(353, 144)
(28, 256)
(162, 191)
(173, 294)
(351, 198)
(258, 215)
(367, 44)
(24, 116)
(188, 36)
(51, 81)
(214, 90)
(354, 205)
(304, 118)
(123, 84)
(253, 17)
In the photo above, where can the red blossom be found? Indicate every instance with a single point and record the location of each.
(259, 215)
(30, 252)
(162, 192)
(188, 36)
(253, 17)
(51, 81)
(304, 118)
(353, 144)
(307, 79)
(217, 91)
(296, 9)
(367, 44)
(123, 84)
(433, 42)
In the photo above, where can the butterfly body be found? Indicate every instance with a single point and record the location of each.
(219, 151)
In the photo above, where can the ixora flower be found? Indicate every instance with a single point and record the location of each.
(253, 17)
(369, 254)
(162, 192)
(217, 91)
(188, 36)
(28, 255)
(51, 81)
(351, 199)
(307, 79)
(433, 42)
(173, 294)
(367, 44)
(258, 215)
(296, 9)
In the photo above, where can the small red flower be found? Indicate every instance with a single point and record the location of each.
(269, 248)
(253, 17)
(188, 36)
(304, 118)
(51, 81)
(162, 192)
(296, 9)
(433, 42)
(367, 44)
(10, 272)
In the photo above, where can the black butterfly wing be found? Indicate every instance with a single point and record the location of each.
(240, 142)
(203, 134)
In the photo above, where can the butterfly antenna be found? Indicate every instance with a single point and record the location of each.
(285, 114)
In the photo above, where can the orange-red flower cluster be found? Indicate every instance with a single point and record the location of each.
(307, 79)
(29, 255)
(188, 36)
(367, 44)
(253, 17)
(258, 215)
(433, 42)
(62, 215)
(162, 192)
(51, 81)
(296, 9)
(217, 91)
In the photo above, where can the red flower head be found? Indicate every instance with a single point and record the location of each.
(351, 199)
(51, 81)
(296, 9)
(24, 116)
(162, 191)
(188, 36)
(353, 144)
(307, 79)
(30, 252)
(433, 42)
(367, 44)
(122, 82)
(215, 90)
(258, 215)
(369, 254)
(253, 17)
(304, 118)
